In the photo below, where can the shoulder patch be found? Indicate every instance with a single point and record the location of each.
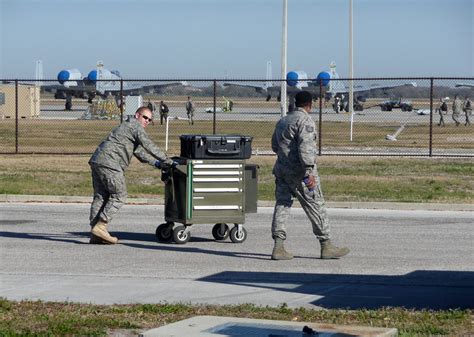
(309, 128)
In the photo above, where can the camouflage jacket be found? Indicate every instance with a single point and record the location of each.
(294, 143)
(127, 139)
(190, 107)
(467, 105)
(457, 106)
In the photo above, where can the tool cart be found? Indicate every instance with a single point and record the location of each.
(211, 185)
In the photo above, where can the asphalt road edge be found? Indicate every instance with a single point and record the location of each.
(4, 198)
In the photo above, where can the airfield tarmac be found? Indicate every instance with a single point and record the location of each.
(259, 114)
(416, 259)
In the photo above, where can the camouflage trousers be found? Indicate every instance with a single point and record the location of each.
(441, 119)
(312, 203)
(110, 193)
(163, 117)
(467, 113)
(190, 117)
(456, 116)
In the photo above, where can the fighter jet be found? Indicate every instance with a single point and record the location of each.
(100, 81)
(464, 85)
(328, 81)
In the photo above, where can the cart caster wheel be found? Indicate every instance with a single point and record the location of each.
(180, 236)
(164, 232)
(220, 231)
(237, 237)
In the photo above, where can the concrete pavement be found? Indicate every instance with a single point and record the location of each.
(214, 326)
(419, 259)
(409, 258)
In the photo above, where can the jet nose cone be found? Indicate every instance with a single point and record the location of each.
(63, 76)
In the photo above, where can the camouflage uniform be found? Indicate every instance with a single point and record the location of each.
(190, 111)
(442, 105)
(152, 107)
(457, 108)
(467, 107)
(109, 162)
(294, 143)
(68, 105)
(163, 112)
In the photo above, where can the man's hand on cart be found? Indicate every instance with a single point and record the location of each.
(158, 164)
(178, 161)
(165, 164)
(166, 167)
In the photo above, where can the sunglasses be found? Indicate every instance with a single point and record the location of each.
(147, 118)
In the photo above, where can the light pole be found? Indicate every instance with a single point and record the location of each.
(284, 37)
(351, 69)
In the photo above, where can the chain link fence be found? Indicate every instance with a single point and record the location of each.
(390, 117)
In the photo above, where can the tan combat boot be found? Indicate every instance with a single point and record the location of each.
(95, 240)
(279, 252)
(329, 251)
(100, 235)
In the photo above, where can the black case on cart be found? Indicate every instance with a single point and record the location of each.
(216, 146)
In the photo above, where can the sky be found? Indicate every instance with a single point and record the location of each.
(217, 39)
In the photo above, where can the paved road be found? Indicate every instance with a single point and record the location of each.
(419, 259)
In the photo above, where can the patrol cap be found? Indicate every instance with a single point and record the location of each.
(303, 98)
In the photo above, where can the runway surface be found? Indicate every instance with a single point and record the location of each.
(415, 259)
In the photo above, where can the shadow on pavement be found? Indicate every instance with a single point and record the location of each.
(83, 238)
(141, 237)
(60, 237)
(72, 236)
(148, 237)
(421, 289)
(16, 222)
(171, 246)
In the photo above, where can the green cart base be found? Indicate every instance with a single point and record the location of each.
(202, 191)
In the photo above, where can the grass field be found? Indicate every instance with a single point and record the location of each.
(343, 178)
(82, 136)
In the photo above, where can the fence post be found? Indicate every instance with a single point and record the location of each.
(121, 101)
(431, 117)
(214, 117)
(16, 117)
(320, 126)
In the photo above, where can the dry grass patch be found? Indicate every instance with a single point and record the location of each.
(343, 178)
(70, 319)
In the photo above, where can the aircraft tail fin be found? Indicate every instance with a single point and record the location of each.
(99, 84)
(334, 75)
(268, 82)
(39, 73)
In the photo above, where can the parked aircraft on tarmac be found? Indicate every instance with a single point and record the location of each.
(102, 82)
(327, 80)
(465, 85)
